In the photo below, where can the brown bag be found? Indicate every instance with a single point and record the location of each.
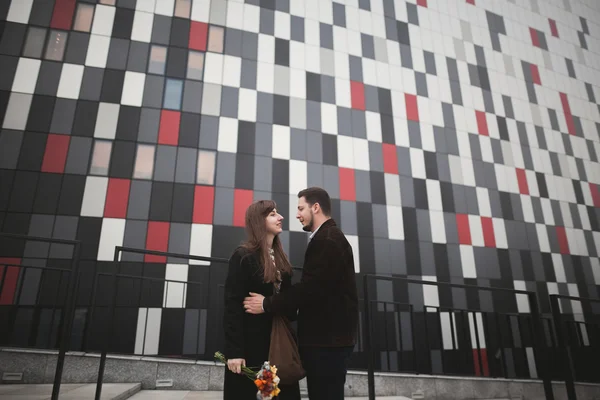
(283, 352)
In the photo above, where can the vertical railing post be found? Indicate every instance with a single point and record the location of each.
(368, 340)
(66, 320)
(541, 361)
(563, 348)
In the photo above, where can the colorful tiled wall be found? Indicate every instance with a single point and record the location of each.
(459, 139)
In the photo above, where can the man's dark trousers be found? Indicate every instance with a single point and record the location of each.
(326, 369)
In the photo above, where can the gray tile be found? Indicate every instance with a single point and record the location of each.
(460, 200)
(380, 49)
(430, 66)
(348, 215)
(267, 21)
(298, 113)
(327, 63)
(225, 169)
(161, 29)
(185, 171)
(223, 206)
(135, 237)
(248, 76)
(495, 204)
(91, 84)
(8, 68)
(192, 97)
(10, 146)
(456, 93)
(414, 134)
(406, 56)
(48, 78)
(339, 14)
(153, 91)
(263, 173)
(297, 28)
(179, 242)
(452, 237)
(356, 72)
(298, 144)
(371, 98)
(331, 181)
(211, 99)
(363, 186)
(327, 89)
(391, 29)
(443, 165)
(17, 111)
(313, 115)
(250, 45)
(472, 203)
(40, 226)
(314, 147)
(233, 42)
(229, 102)
(139, 200)
(404, 164)
(421, 82)
(425, 248)
(79, 155)
(359, 124)
(77, 46)
(64, 228)
(264, 108)
(264, 140)
(282, 80)
(412, 13)
(149, 123)
(368, 47)
(117, 54)
(138, 56)
(315, 176)
(459, 49)
(326, 35)
(63, 116)
(375, 157)
(407, 192)
(344, 117)
(164, 166)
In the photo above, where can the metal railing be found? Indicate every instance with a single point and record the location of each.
(67, 316)
(537, 328)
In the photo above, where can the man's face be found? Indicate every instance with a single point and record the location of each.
(305, 215)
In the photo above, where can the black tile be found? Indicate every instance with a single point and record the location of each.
(6, 182)
(112, 86)
(246, 137)
(189, 130)
(484, 78)
(4, 6)
(281, 110)
(171, 326)
(161, 201)
(364, 219)
(282, 52)
(71, 195)
(127, 125)
(377, 187)
(177, 62)
(48, 194)
(431, 167)
(183, 203)
(138, 57)
(590, 92)
(23, 191)
(281, 176)
(448, 114)
(330, 150)
(541, 181)
(40, 114)
(4, 97)
(41, 12)
(8, 67)
(12, 38)
(411, 232)
(48, 78)
(32, 151)
(313, 87)
(123, 23)
(447, 197)
(387, 129)
(77, 48)
(85, 118)
(505, 203)
(502, 128)
(122, 159)
(570, 68)
(553, 119)
(420, 188)
(403, 34)
(91, 84)
(180, 32)
(244, 171)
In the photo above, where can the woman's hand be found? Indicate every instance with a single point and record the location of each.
(235, 365)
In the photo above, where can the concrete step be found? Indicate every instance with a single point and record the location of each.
(74, 391)
(191, 395)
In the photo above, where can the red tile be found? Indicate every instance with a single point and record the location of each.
(9, 266)
(563, 243)
(198, 36)
(412, 109)
(522, 179)
(157, 239)
(55, 156)
(422, 3)
(390, 159)
(553, 27)
(535, 74)
(347, 184)
(568, 116)
(595, 190)
(62, 15)
(471, 2)
(204, 204)
(534, 37)
(357, 91)
(482, 125)
(489, 238)
(168, 132)
(464, 230)
(241, 201)
(484, 361)
(117, 198)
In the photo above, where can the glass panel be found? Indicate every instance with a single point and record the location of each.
(34, 44)
(144, 162)
(195, 65)
(84, 17)
(182, 8)
(101, 157)
(158, 59)
(215, 39)
(206, 167)
(57, 41)
(173, 94)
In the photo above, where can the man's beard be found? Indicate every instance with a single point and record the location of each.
(308, 227)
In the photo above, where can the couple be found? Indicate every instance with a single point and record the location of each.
(325, 302)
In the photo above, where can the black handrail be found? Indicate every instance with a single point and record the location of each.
(533, 306)
(66, 318)
(565, 349)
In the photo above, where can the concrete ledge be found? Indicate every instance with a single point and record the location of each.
(39, 366)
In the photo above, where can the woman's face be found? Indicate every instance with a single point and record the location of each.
(274, 223)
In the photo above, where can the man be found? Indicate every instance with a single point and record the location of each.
(326, 299)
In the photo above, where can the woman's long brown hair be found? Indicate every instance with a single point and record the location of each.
(256, 241)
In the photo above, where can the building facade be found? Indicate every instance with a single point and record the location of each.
(458, 139)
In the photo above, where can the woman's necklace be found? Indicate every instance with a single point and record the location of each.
(277, 283)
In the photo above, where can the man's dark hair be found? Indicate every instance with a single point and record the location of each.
(317, 195)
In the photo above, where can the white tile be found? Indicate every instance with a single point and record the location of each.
(17, 111)
(528, 214)
(434, 195)
(392, 190)
(265, 81)
(340, 42)
(19, 11)
(373, 121)
(417, 163)
(70, 81)
(345, 149)
(395, 222)
(311, 32)
(200, 10)
(213, 68)
(201, 242)
(329, 122)
(476, 231)
(281, 142)
(468, 173)
(430, 293)
(522, 300)
(282, 25)
(106, 121)
(174, 292)
(483, 202)
(547, 211)
(94, 196)
(353, 240)
(211, 99)
(298, 176)
(146, 5)
(596, 269)
(467, 259)
(437, 225)
(361, 154)
(427, 137)
(228, 135)
(111, 236)
(97, 51)
(266, 49)
(297, 56)
(298, 8)
(312, 58)
(448, 326)
(251, 18)
(343, 97)
(500, 233)
(148, 331)
(165, 7)
(232, 71)
(142, 27)
(104, 17)
(247, 105)
(235, 15)
(26, 75)
(133, 89)
(298, 83)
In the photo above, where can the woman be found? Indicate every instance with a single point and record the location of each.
(259, 265)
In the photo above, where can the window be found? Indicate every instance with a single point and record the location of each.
(84, 17)
(158, 60)
(57, 41)
(34, 44)
(101, 157)
(182, 8)
(195, 65)
(173, 91)
(144, 162)
(215, 39)
(206, 167)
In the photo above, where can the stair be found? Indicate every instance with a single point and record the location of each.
(190, 395)
(74, 391)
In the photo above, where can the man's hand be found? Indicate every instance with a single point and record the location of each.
(254, 303)
(235, 365)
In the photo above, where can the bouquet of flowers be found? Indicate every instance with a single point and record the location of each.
(265, 379)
